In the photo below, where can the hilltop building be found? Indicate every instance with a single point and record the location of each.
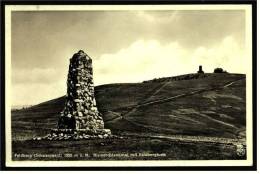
(200, 70)
(219, 70)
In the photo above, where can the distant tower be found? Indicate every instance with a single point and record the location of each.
(200, 70)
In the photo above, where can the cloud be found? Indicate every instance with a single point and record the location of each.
(148, 59)
(126, 46)
(158, 18)
(141, 60)
(228, 55)
(43, 39)
(32, 86)
(34, 93)
(35, 75)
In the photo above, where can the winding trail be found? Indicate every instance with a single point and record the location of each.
(134, 108)
(186, 139)
(144, 103)
(185, 94)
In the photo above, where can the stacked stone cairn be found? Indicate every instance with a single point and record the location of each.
(80, 118)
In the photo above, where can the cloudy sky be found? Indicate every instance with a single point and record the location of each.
(126, 46)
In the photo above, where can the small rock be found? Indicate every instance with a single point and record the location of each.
(78, 100)
(86, 136)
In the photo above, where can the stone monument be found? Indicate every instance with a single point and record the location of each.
(80, 110)
(80, 117)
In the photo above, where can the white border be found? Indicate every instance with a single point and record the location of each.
(249, 131)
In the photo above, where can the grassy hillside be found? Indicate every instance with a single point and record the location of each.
(207, 105)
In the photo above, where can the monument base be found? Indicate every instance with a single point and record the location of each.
(77, 134)
(82, 131)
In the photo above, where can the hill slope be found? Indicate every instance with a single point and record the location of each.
(202, 105)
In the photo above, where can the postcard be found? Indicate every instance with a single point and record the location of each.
(129, 85)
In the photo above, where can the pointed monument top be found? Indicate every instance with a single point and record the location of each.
(80, 54)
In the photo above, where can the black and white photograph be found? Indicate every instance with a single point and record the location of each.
(128, 85)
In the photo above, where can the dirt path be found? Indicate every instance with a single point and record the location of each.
(231, 83)
(135, 107)
(144, 102)
(185, 94)
(189, 139)
(155, 91)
